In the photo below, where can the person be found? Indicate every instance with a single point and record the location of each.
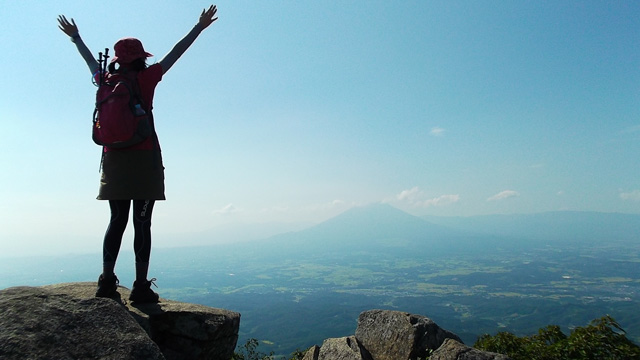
(134, 174)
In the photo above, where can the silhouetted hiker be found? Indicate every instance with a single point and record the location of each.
(133, 174)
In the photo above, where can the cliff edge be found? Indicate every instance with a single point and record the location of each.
(66, 321)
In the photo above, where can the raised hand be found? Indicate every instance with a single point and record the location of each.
(207, 17)
(68, 27)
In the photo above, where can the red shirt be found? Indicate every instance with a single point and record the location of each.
(148, 79)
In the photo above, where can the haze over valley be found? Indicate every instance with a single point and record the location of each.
(471, 275)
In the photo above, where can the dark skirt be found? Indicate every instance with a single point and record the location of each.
(132, 175)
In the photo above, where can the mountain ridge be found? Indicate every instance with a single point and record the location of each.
(376, 227)
(369, 227)
(550, 225)
(383, 221)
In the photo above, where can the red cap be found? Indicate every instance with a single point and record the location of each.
(129, 49)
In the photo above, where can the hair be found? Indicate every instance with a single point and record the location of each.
(136, 65)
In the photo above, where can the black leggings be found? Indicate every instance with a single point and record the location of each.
(142, 210)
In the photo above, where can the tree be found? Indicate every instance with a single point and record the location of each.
(249, 351)
(602, 339)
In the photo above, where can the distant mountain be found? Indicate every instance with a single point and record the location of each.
(370, 228)
(549, 226)
(377, 221)
(383, 229)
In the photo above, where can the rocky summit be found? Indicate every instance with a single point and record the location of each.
(395, 335)
(66, 321)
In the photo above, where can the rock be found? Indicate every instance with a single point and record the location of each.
(312, 353)
(190, 331)
(181, 330)
(345, 348)
(395, 335)
(454, 350)
(40, 324)
(177, 330)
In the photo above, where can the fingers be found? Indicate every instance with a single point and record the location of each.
(207, 16)
(68, 27)
(211, 11)
(64, 22)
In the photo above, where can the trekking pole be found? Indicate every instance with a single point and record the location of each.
(103, 64)
(106, 56)
(99, 70)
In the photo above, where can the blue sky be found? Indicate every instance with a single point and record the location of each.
(292, 111)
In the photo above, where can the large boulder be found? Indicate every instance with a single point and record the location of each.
(190, 331)
(395, 335)
(175, 330)
(344, 348)
(40, 324)
(454, 350)
(181, 330)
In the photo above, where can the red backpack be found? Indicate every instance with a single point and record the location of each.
(119, 118)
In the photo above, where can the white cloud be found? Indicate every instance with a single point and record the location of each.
(416, 197)
(437, 131)
(410, 195)
(504, 195)
(337, 202)
(440, 200)
(631, 196)
(227, 209)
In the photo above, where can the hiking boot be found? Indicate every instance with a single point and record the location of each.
(107, 286)
(142, 293)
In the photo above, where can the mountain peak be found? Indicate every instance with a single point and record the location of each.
(360, 227)
(374, 213)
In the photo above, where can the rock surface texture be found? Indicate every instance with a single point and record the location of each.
(395, 335)
(454, 350)
(66, 321)
(345, 348)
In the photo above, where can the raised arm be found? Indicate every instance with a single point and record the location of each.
(71, 29)
(206, 18)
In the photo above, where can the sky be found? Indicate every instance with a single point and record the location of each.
(294, 111)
